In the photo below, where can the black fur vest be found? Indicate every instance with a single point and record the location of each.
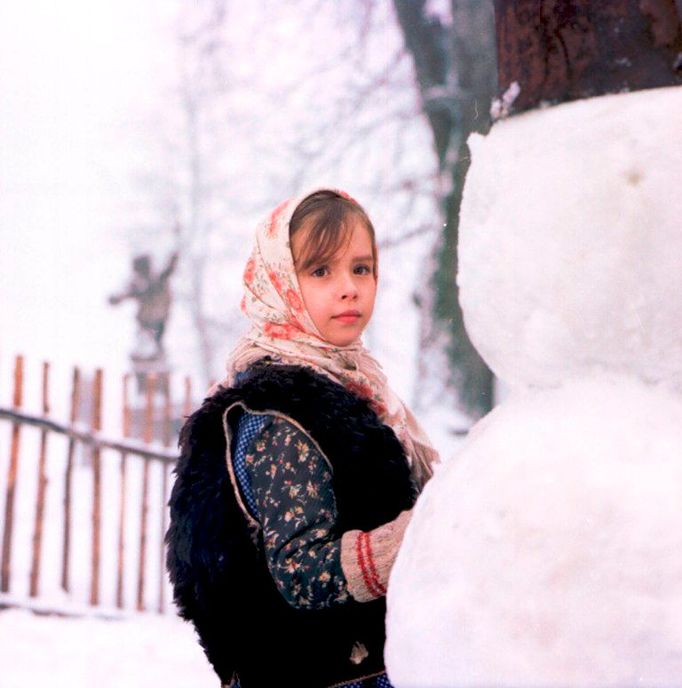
(220, 577)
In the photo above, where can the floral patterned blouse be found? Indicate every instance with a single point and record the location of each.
(287, 486)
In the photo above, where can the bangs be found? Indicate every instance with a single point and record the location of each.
(326, 236)
(327, 218)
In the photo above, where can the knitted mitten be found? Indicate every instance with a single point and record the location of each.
(367, 557)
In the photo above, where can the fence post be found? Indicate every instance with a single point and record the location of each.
(148, 436)
(97, 489)
(12, 478)
(68, 479)
(42, 489)
(167, 438)
(122, 493)
(187, 403)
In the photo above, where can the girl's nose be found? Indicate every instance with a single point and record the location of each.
(347, 288)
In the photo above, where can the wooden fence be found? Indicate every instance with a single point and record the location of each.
(130, 472)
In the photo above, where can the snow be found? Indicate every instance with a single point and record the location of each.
(570, 241)
(548, 553)
(134, 652)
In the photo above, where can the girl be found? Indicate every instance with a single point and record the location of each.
(298, 474)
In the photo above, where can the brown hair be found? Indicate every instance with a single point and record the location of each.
(326, 215)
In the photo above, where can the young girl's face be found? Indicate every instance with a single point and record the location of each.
(339, 295)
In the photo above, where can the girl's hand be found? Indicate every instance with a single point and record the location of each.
(367, 557)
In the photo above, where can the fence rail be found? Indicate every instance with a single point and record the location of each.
(88, 438)
(122, 535)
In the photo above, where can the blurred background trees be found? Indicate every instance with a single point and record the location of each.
(455, 72)
(268, 99)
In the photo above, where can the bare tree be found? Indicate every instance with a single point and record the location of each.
(272, 98)
(199, 85)
(188, 187)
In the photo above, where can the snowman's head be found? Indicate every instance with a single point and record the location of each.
(571, 241)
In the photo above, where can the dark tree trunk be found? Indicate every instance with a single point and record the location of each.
(562, 50)
(455, 71)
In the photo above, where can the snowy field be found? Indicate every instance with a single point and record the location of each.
(143, 650)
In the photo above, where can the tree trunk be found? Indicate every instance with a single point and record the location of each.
(562, 50)
(455, 71)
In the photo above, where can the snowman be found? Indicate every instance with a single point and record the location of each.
(548, 552)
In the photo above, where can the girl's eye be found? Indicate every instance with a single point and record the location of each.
(320, 272)
(362, 270)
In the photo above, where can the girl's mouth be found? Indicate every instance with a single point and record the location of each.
(347, 317)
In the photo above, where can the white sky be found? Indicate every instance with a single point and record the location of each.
(72, 75)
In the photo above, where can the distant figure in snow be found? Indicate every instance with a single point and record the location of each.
(153, 295)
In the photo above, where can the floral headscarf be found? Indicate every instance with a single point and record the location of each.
(282, 329)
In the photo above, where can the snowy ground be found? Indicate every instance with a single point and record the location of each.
(142, 650)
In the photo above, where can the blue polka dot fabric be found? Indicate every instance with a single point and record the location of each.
(378, 682)
(248, 427)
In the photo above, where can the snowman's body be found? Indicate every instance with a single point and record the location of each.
(549, 551)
